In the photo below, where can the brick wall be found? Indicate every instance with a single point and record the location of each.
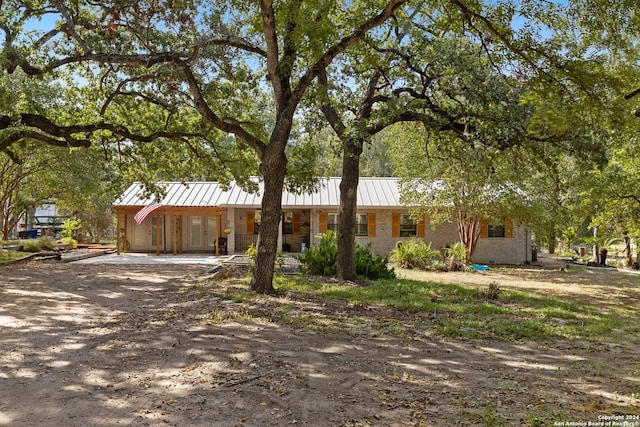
(494, 250)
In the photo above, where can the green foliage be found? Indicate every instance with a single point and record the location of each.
(569, 237)
(477, 313)
(71, 229)
(321, 259)
(37, 245)
(415, 253)
(7, 255)
(455, 257)
(602, 242)
(69, 241)
(372, 267)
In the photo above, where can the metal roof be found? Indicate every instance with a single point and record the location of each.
(372, 192)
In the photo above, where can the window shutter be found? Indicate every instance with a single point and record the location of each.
(508, 228)
(420, 228)
(296, 223)
(395, 225)
(322, 219)
(371, 225)
(484, 228)
(250, 221)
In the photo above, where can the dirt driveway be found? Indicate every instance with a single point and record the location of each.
(107, 345)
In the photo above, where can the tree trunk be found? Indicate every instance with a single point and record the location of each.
(273, 168)
(595, 254)
(468, 231)
(603, 257)
(627, 249)
(346, 264)
(552, 244)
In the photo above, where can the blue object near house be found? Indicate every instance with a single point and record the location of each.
(479, 267)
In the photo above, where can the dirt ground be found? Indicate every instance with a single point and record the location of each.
(106, 345)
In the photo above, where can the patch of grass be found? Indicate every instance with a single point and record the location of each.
(444, 309)
(541, 416)
(6, 255)
(467, 312)
(37, 245)
(485, 416)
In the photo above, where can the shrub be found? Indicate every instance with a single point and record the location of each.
(69, 241)
(72, 228)
(37, 245)
(455, 257)
(415, 253)
(372, 267)
(321, 258)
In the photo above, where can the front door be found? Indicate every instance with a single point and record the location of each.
(202, 233)
(145, 235)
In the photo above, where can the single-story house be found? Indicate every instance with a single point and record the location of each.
(205, 217)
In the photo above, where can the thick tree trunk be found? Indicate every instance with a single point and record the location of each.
(346, 264)
(273, 169)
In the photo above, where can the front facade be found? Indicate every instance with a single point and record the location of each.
(204, 217)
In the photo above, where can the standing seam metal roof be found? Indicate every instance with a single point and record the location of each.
(372, 192)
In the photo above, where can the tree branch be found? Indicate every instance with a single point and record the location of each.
(340, 47)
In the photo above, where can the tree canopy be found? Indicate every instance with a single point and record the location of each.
(216, 90)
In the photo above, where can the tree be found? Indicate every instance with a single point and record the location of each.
(404, 78)
(446, 179)
(241, 68)
(400, 80)
(35, 175)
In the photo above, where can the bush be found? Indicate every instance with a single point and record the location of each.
(72, 228)
(69, 241)
(415, 253)
(320, 260)
(372, 267)
(455, 257)
(37, 245)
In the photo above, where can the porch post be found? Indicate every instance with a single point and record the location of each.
(180, 236)
(158, 234)
(118, 239)
(164, 231)
(175, 234)
(126, 237)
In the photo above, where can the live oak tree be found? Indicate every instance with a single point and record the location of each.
(241, 68)
(400, 79)
(397, 81)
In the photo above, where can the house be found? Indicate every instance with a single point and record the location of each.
(205, 217)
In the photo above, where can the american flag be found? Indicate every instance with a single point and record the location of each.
(144, 212)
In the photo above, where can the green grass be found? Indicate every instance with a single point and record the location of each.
(444, 309)
(6, 255)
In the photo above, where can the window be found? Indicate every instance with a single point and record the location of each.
(496, 230)
(408, 226)
(287, 223)
(332, 221)
(362, 225)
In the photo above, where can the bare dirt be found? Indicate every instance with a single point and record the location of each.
(105, 345)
